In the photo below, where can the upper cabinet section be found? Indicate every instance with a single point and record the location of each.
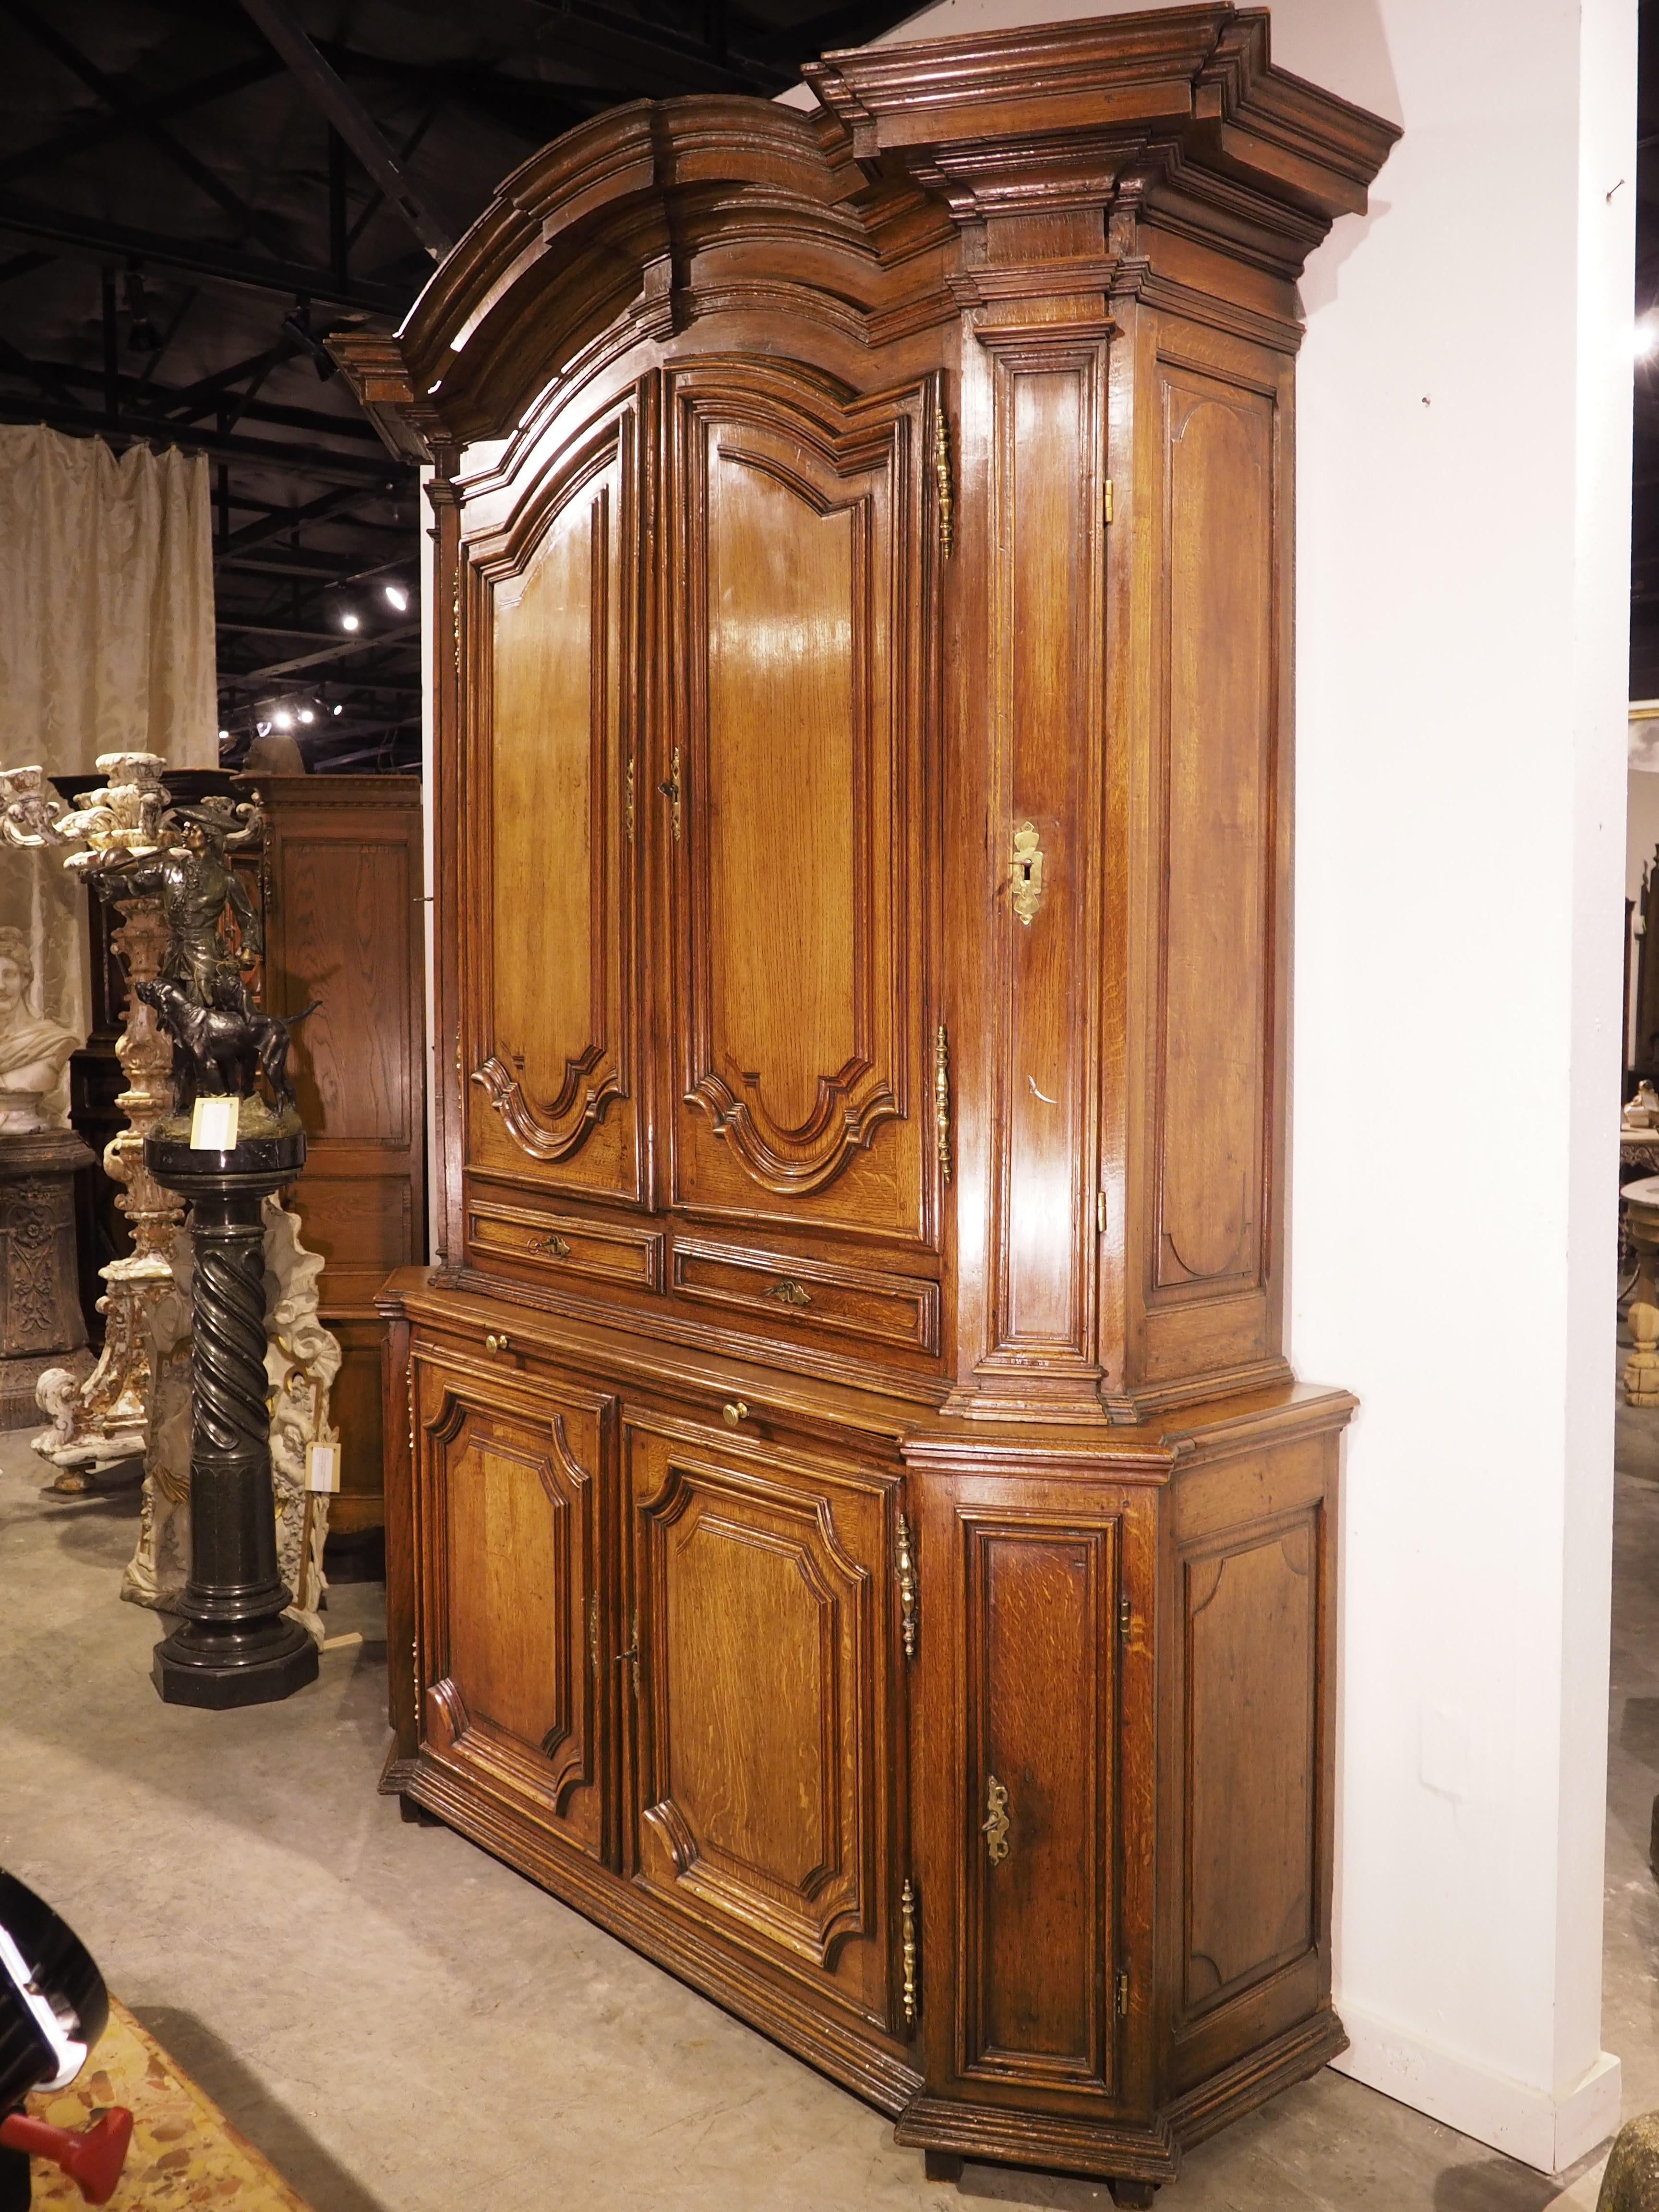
(799, 840)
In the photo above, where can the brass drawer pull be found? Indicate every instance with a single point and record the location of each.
(732, 1411)
(554, 1244)
(497, 1344)
(789, 1292)
(995, 1826)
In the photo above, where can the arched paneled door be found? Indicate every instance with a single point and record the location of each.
(795, 597)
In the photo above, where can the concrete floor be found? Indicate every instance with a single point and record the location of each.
(404, 2025)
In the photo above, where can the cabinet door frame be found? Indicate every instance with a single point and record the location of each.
(505, 519)
(739, 1467)
(445, 1392)
(955, 1508)
(882, 1100)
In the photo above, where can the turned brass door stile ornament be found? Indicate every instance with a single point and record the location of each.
(944, 489)
(905, 1568)
(908, 1911)
(670, 788)
(995, 1826)
(942, 1101)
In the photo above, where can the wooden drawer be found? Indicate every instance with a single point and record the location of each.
(562, 1246)
(809, 1295)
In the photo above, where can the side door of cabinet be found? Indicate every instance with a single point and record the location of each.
(766, 1782)
(1033, 1806)
(512, 1533)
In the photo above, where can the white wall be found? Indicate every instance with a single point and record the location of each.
(1464, 478)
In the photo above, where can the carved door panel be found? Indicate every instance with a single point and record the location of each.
(1025, 1774)
(765, 1782)
(549, 902)
(801, 854)
(514, 1697)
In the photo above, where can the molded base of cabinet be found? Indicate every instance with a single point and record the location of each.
(1002, 2136)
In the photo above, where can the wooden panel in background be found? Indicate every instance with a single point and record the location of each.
(341, 892)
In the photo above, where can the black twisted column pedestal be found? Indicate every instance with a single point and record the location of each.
(234, 1648)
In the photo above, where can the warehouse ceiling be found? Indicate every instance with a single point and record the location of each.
(194, 194)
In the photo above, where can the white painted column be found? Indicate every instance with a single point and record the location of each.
(1462, 540)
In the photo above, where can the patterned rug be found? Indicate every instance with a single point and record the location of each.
(184, 2152)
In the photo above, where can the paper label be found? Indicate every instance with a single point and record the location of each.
(323, 1467)
(214, 1123)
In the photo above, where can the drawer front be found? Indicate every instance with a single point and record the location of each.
(811, 1296)
(565, 1246)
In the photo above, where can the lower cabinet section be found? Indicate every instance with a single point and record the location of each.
(988, 1770)
(766, 1753)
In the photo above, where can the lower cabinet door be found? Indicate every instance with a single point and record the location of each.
(1022, 1786)
(766, 1786)
(511, 1533)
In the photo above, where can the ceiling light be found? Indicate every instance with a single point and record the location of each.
(262, 729)
(350, 622)
(224, 737)
(397, 597)
(339, 710)
(306, 714)
(1647, 336)
(282, 719)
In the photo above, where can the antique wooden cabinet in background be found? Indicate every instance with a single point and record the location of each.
(340, 893)
(852, 1527)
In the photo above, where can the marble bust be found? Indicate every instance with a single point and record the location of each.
(34, 1051)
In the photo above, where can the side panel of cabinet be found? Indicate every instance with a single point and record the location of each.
(550, 905)
(1250, 1620)
(795, 807)
(1035, 1808)
(1212, 532)
(512, 1535)
(766, 1771)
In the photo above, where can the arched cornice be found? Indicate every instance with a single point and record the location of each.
(602, 229)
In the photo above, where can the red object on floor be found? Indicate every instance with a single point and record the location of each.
(92, 2158)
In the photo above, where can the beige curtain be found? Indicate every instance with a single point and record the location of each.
(106, 645)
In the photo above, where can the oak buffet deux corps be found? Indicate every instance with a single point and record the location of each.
(853, 1531)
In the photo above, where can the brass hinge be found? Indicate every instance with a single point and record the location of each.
(1107, 500)
(1124, 1618)
(908, 1911)
(947, 505)
(942, 1101)
(1100, 1212)
(906, 1566)
(1123, 1995)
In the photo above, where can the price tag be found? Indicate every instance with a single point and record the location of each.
(323, 1467)
(214, 1123)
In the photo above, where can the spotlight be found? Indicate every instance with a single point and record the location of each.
(262, 729)
(397, 597)
(338, 710)
(350, 622)
(1647, 336)
(282, 719)
(306, 714)
(224, 737)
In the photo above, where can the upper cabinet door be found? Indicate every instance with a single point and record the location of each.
(548, 906)
(798, 604)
